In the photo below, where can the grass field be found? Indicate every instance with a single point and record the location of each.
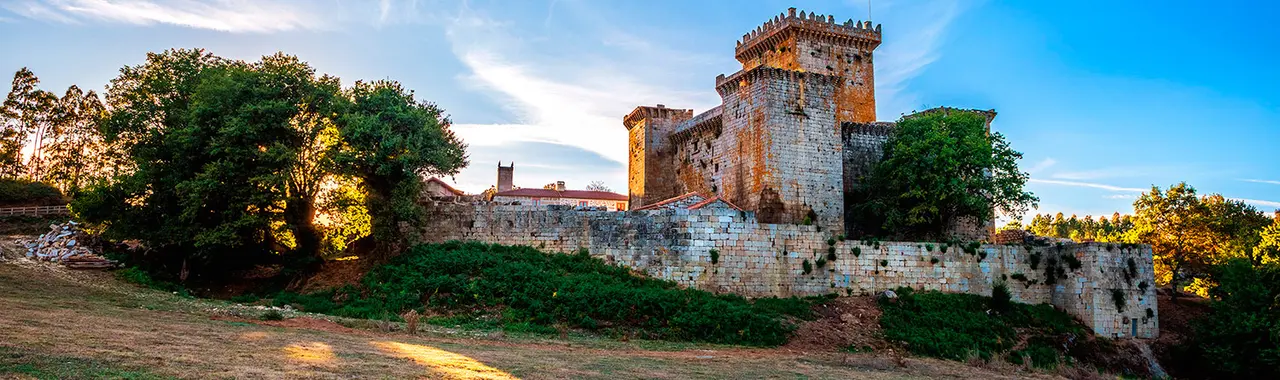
(62, 324)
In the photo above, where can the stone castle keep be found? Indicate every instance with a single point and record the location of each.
(719, 200)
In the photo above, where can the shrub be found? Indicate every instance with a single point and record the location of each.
(821, 262)
(857, 251)
(1119, 298)
(1042, 355)
(831, 255)
(715, 256)
(884, 263)
(944, 248)
(952, 326)
(831, 251)
(808, 221)
(1131, 269)
(982, 255)
(808, 268)
(1239, 337)
(831, 241)
(840, 237)
(1072, 261)
(928, 247)
(21, 192)
(1034, 260)
(1001, 299)
(1019, 277)
(933, 260)
(272, 315)
(534, 290)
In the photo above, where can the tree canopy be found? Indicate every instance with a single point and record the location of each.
(938, 168)
(230, 161)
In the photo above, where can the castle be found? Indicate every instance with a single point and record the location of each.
(795, 130)
(719, 200)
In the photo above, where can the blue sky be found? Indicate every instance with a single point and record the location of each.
(1105, 99)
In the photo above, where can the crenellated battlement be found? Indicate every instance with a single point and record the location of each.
(658, 112)
(826, 27)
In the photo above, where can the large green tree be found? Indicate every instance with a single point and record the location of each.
(939, 167)
(390, 142)
(230, 161)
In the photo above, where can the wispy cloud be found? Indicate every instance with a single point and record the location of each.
(575, 99)
(1042, 165)
(1258, 202)
(918, 33)
(1121, 196)
(1087, 184)
(239, 16)
(1262, 181)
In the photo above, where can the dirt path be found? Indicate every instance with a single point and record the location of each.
(85, 318)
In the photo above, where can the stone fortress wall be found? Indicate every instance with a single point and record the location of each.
(675, 242)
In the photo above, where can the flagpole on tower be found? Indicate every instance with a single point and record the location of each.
(868, 10)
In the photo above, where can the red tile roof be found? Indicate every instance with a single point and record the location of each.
(575, 194)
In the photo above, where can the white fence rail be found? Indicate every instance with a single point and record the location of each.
(34, 211)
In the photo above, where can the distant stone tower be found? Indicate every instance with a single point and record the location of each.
(505, 174)
(817, 44)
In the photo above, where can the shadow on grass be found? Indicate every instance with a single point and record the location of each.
(17, 361)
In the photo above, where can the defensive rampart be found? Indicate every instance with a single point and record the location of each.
(1110, 287)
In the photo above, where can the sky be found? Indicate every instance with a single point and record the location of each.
(1104, 99)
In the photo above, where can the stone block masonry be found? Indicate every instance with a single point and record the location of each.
(756, 259)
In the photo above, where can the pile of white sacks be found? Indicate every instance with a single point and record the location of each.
(68, 245)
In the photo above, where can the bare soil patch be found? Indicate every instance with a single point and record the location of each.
(842, 323)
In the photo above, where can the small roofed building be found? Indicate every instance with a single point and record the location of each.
(558, 195)
(436, 188)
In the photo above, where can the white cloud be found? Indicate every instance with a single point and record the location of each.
(1257, 202)
(915, 34)
(239, 16)
(1042, 165)
(1087, 184)
(576, 99)
(1121, 196)
(1262, 181)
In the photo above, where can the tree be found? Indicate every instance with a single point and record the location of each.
(1240, 335)
(1173, 222)
(940, 167)
(28, 114)
(75, 151)
(599, 186)
(390, 140)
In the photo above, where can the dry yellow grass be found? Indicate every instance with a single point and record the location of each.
(88, 318)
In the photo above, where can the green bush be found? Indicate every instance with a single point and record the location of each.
(944, 248)
(1019, 277)
(272, 315)
(1034, 258)
(21, 192)
(831, 255)
(1042, 355)
(831, 241)
(951, 326)
(933, 260)
(1001, 299)
(1240, 335)
(715, 256)
(857, 251)
(821, 262)
(1072, 261)
(1118, 297)
(808, 268)
(540, 289)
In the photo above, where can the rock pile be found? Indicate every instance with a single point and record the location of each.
(68, 245)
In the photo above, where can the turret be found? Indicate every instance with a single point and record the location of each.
(650, 165)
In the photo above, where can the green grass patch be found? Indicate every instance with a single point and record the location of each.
(954, 326)
(519, 287)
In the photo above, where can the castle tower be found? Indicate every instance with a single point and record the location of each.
(815, 43)
(505, 175)
(650, 169)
